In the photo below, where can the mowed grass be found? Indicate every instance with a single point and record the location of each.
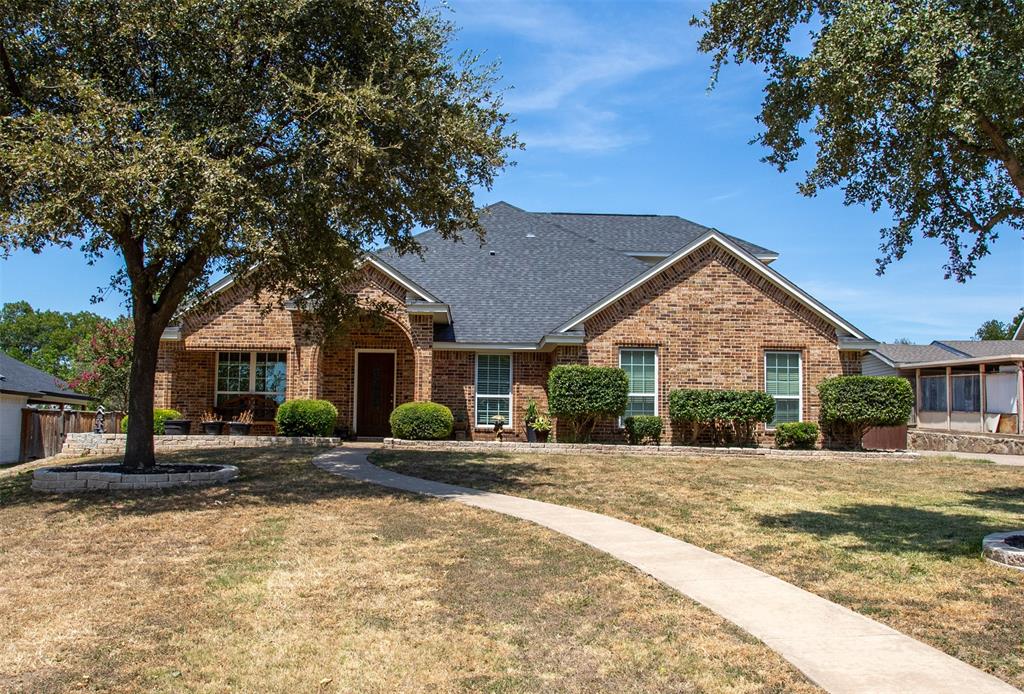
(293, 580)
(897, 541)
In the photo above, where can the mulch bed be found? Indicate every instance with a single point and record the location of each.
(120, 469)
(1015, 541)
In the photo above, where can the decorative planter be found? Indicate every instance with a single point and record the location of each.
(213, 428)
(542, 436)
(178, 427)
(239, 428)
(531, 434)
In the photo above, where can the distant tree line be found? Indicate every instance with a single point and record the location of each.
(91, 353)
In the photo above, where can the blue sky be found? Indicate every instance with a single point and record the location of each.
(610, 99)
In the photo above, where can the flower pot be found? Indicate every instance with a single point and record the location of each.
(542, 436)
(531, 434)
(177, 427)
(212, 428)
(239, 428)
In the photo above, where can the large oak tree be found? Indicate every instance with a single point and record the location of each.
(914, 105)
(195, 137)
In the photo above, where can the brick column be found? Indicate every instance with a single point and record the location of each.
(422, 328)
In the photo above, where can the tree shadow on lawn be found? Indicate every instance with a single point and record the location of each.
(892, 529)
(1008, 499)
(492, 472)
(270, 477)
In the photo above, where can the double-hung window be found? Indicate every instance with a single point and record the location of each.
(933, 394)
(251, 380)
(782, 381)
(641, 366)
(493, 388)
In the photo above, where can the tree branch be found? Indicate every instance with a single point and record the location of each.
(9, 77)
(1004, 153)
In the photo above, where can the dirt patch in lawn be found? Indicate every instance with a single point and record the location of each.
(897, 541)
(291, 579)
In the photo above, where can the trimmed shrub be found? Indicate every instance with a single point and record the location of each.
(306, 418)
(160, 415)
(581, 395)
(796, 435)
(643, 429)
(853, 405)
(422, 421)
(731, 415)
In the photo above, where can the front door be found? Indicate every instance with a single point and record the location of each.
(375, 392)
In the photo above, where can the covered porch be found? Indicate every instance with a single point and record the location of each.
(972, 395)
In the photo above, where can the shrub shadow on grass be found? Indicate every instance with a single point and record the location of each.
(271, 476)
(492, 472)
(890, 529)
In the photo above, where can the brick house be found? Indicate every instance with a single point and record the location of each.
(478, 327)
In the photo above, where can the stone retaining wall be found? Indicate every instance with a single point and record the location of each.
(76, 445)
(63, 480)
(612, 449)
(931, 440)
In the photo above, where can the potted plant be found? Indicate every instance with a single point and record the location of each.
(499, 426)
(212, 424)
(461, 428)
(531, 417)
(542, 428)
(241, 424)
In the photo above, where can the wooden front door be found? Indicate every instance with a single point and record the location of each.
(375, 392)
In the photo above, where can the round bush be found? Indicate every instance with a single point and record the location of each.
(160, 415)
(306, 418)
(643, 429)
(422, 421)
(796, 435)
(852, 405)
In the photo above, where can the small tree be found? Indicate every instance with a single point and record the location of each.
(103, 364)
(581, 395)
(853, 405)
(193, 139)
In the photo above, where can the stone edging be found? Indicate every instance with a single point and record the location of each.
(995, 549)
(77, 445)
(616, 449)
(965, 442)
(63, 480)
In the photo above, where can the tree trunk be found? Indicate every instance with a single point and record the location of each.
(138, 451)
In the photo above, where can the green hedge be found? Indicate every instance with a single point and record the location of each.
(643, 429)
(796, 435)
(731, 415)
(160, 415)
(581, 395)
(422, 421)
(852, 405)
(306, 418)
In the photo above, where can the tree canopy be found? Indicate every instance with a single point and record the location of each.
(47, 340)
(194, 138)
(996, 329)
(915, 107)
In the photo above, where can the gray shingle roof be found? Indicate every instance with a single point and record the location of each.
(535, 271)
(944, 350)
(17, 377)
(639, 233)
(985, 348)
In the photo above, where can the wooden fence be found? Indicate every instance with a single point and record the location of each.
(43, 431)
(886, 438)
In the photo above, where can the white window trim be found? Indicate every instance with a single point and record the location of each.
(252, 373)
(355, 381)
(657, 381)
(509, 425)
(800, 388)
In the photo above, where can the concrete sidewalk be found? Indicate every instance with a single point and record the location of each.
(836, 648)
(997, 458)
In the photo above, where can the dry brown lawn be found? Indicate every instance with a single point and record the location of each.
(897, 541)
(293, 580)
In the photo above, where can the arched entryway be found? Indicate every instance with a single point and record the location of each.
(367, 372)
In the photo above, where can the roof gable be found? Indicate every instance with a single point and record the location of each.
(18, 377)
(733, 248)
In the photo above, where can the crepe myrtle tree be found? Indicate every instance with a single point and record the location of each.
(198, 138)
(915, 106)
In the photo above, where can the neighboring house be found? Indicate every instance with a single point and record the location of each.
(22, 385)
(961, 385)
(478, 327)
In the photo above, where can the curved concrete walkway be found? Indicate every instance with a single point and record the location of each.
(836, 648)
